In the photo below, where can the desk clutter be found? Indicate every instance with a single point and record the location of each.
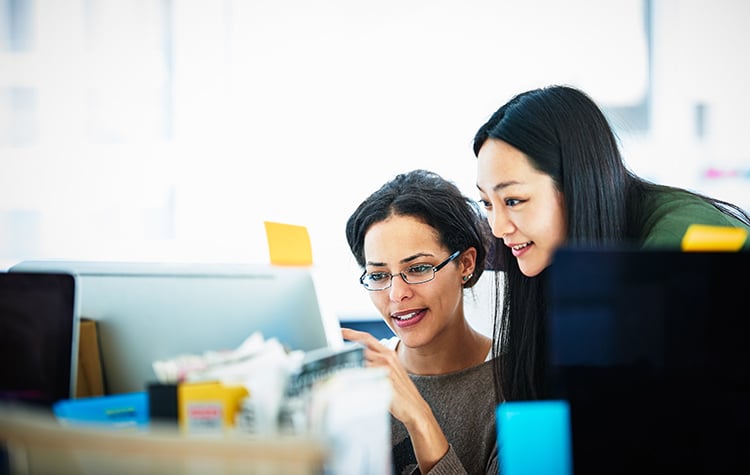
(259, 389)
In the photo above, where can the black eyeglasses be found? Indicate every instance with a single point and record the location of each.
(416, 274)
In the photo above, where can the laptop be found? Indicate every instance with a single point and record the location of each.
(38, 338)
(650, 351)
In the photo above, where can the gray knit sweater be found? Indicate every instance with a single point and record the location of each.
(464, 405)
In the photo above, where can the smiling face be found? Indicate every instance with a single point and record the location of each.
(419, 314)
(524, 207)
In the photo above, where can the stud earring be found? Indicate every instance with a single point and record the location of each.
(467, 277)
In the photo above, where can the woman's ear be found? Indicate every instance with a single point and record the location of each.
(468, 261)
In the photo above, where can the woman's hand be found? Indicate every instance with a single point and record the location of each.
(406, 401)
(407, 404)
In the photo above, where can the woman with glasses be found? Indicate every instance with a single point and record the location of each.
(422, 244)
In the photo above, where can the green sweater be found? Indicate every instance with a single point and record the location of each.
(668, 214)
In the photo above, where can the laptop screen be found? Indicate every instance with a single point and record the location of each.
(650, 349)
(38, 335)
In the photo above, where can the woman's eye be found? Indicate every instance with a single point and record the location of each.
(511, 202)
(419, 269)
(376, 276)
(485, 204)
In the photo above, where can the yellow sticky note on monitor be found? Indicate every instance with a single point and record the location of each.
(288, 244)
(701, 237)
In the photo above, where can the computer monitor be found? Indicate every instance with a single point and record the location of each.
(38, 338)
(650, 349)
(152, 311)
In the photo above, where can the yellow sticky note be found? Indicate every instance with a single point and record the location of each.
(288, 244)
(701, 237)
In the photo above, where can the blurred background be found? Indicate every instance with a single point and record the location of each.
(169, 130)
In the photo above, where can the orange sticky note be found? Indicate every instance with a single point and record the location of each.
(288, 244)
(701, 237)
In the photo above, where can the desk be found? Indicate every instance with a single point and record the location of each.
(38, 445)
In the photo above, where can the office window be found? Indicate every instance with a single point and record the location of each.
(19, 111)
(170, 130)
(126, 82)
(16, 24)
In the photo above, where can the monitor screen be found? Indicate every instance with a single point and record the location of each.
(154, 311)
(38, 337)
(650, 350)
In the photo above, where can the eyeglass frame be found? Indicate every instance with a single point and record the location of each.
(435, 269)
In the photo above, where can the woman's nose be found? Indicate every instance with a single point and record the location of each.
(399, 288)
(500, 224)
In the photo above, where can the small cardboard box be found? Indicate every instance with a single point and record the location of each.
(90, 379)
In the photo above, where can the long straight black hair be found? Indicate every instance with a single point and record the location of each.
(565, 135)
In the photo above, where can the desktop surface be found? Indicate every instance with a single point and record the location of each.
(650, 350)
